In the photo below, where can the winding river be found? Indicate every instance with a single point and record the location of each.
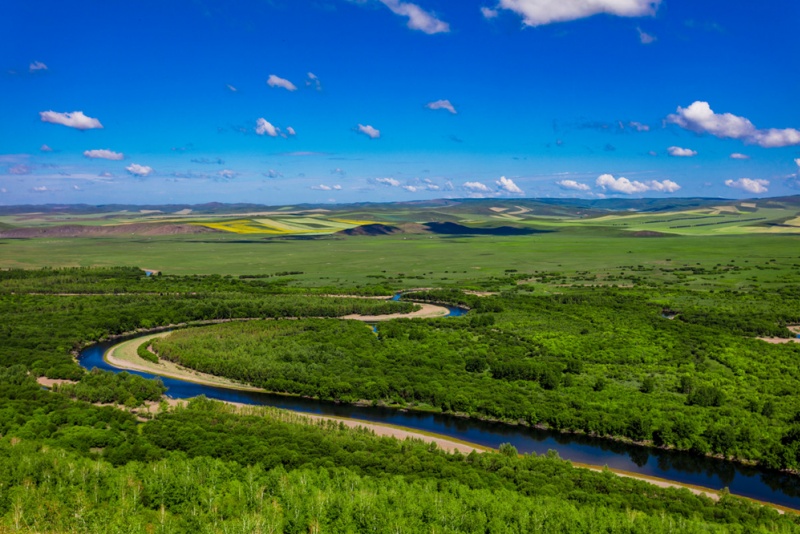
(685, 468)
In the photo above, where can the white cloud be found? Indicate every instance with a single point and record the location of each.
(749, 185)
(572, 184)
(645, 38)
(628, 187)
(231, 88)
(418, 18)
(139, 170)
(797, 161)
(411, 188)
(391, 182)
(20, 169)
(339, 171)
(40, 189)
(700, 118)
(652, 153)
(337, 187)
(37, 65)
(442, 104)
(477, 187)
(508, 185)
(290, 131)
(678, 152)
(539, 12)
(489, 13)
(277, 81)
(103, 154)
(322, 187)
(665, 186)
(737, 155)
(45, 148)
(639, 127)
(369, 131)
(227, 174)
(313, 81)
(3, 190)
(272, 173)
(76, 119)
(775, 137)
(264, 127)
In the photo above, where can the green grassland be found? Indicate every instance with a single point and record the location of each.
(434, 260)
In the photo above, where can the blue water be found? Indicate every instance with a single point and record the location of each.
(756, 483)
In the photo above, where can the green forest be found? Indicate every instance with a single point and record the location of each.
(601, 361)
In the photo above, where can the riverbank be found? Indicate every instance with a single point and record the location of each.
(125, 354)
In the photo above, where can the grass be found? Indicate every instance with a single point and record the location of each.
(425, 260)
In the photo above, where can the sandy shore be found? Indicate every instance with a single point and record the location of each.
(124, 356)
(779, 340)
(426, 311)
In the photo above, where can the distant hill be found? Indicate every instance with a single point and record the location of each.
(435, 209)
(75, 230)
(442, 228)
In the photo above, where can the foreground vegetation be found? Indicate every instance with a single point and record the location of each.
(71, 466)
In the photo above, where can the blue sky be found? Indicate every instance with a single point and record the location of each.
(289, 101)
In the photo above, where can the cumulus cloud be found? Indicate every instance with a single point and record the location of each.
(700, 118)
(418, 18)
(678, 152)
(539, 12)
(139, 170)
(227, 174)
(441, 104)
(369, 131)
(322, 187)
(290, 131)
(749, 185)
(313, 81)
(277, 81)
(411, 188)
(40, 189)
(45, 148)
(391, 182)
(264, 127)
(622, 185)
(508, 185)
(489, 13)
(103, 154)
(737, 155)
(797, 161)
(75, 119)
(639, 127)
(37, 65)
(476, 187)
(572, 184)
(231, 88)
(272, 173)
(645, 38)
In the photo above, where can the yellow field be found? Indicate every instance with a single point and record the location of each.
(284, 225)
